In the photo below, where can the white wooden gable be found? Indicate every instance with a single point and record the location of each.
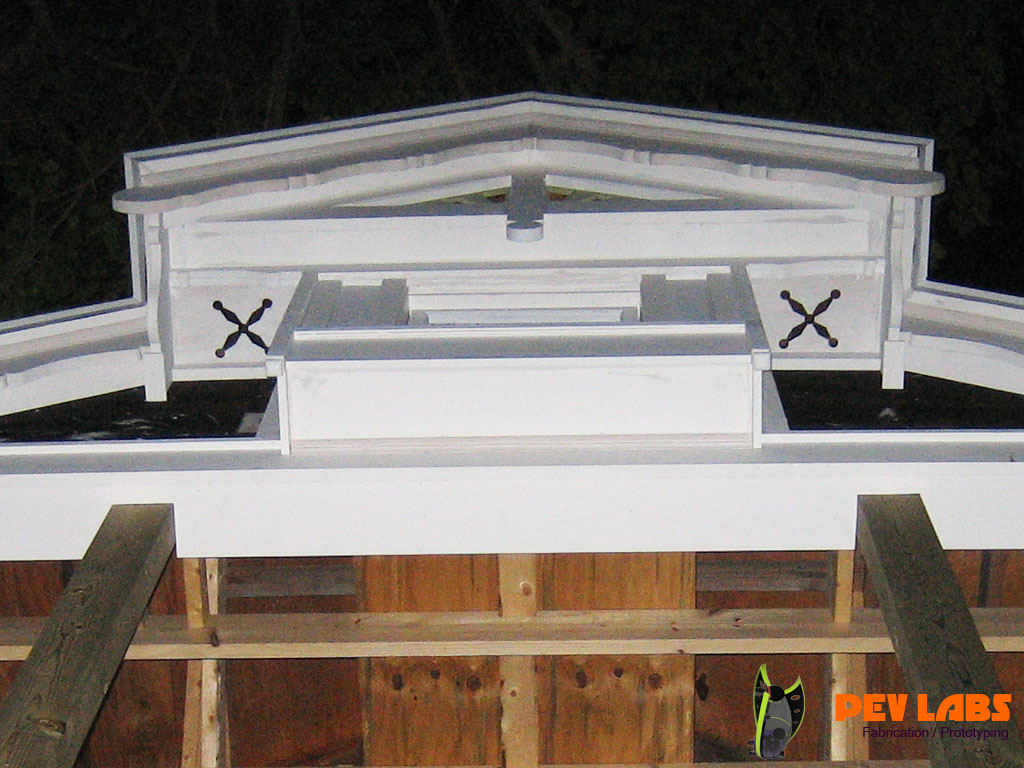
(517, 234)
(534, 250)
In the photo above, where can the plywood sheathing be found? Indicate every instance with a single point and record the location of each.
(318, 699)
(616, 709)
(425, 711)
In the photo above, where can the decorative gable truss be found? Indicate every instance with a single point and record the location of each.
(516, 235)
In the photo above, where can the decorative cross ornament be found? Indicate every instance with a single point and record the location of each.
(810, 319)
(234, 336)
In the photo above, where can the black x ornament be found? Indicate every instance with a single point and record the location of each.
(810, 319)
(235, 335)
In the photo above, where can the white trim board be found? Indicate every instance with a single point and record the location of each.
(261, 505)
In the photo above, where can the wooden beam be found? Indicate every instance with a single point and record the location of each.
(288, 577)
(848, 672)
(205, 741)
(551, 633)
(520, 728)
(936, 640)
(53, 701)
(687, 705)
(784, 576)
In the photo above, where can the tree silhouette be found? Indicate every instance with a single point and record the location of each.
(83, 82)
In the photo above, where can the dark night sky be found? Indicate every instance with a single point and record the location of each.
(84, 81)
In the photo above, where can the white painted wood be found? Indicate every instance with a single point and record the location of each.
(296, 506)
(527, 199)
(49, 338)
(71, 378)
(198, 330)
(970, 362)
(468, 240)
(707, 134)
(853, 318)
(719, 337)
(337, 400)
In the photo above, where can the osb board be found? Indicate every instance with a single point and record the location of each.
(430, 711)
(613, 709)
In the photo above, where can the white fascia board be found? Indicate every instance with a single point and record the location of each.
(377, 131)
(775, 499)
(697, 169)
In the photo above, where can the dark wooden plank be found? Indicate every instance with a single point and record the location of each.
(935, 638)
(52, 703)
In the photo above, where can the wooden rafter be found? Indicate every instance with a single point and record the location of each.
(52, 703)
(935, 638)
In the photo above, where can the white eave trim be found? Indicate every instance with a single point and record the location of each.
(540, 155)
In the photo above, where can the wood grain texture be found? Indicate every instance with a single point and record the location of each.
(616, 708)
(139, 724)
(432, 711)
(319, 699)
(847, 672)
(51, 705)
(359, 635)
(936, 640)
(520, 727)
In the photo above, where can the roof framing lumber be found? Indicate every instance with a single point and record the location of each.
(52, 703)
(935, 638)
(443, 633)
(520, 725)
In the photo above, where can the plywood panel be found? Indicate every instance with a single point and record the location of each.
(29, 588)
(294, 712)
(613, 581)
(139, 724)
(428, 583)
(319, 699)
(612, 709)
(608, 709)
(430, 711)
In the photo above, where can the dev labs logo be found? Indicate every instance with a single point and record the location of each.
(778, 713)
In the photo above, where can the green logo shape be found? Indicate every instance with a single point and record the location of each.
(778, 713)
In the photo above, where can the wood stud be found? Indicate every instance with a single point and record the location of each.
(520, 731)
(205, 742)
